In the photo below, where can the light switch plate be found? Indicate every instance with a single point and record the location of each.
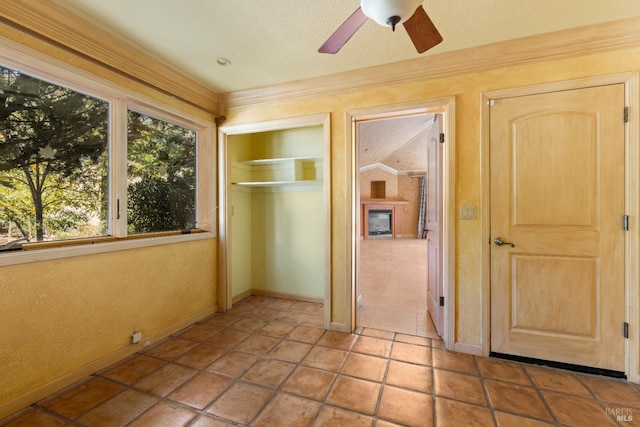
(468, 212)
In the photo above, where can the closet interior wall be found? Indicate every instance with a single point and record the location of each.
(277, 226)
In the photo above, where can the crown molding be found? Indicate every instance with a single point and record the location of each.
(382, 166)
(543, 47)
(59, 27)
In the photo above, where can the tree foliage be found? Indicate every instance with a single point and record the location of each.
(161, 170)
(54, 164)
(53, 143)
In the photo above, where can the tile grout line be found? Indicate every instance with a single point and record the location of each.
(251, 313)
(383, 384)
(541, 397)
(204, 370)
(598, 401)
(324, 403)
(235, 380)
(275, 392)
(486, 393)
(433, 387)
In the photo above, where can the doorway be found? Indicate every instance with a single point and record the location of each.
(389, 246)
(274, 188)
(394, 196)
(563, 179)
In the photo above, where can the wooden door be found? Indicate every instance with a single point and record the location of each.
(557, 194)
(434, 226)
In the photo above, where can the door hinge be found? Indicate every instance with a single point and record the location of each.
(625, 222)
(625, 329)
(626, 114)
(441, 301)
(442, 137)
(491, 102)
(117, 208)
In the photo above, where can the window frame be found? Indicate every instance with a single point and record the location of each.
(120, 100)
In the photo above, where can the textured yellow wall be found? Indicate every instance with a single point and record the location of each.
(468, 90)
(59, 316)
(241, 206)
(409, 190)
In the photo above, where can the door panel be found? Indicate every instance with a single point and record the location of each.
(567, 279)
(435, 288)
(557, 194)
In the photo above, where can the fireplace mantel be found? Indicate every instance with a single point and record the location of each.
(394, 205)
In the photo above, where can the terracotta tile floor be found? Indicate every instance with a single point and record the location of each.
(257, 366)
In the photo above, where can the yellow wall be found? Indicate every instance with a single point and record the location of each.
(296, 142)
(409, 190)
(288, 251)
(468, 90)
(58, 316)
(277, 233)
(241, 205)
(65, 318)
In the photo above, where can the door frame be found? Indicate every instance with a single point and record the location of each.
(445, 106)
(632, 200)
(224, 291)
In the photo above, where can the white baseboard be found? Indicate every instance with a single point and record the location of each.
(474, 349)
(338, 327)
(76, 375)
(285, 295)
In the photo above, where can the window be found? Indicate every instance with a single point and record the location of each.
(161, 183)
(53, 161)
(82, 161)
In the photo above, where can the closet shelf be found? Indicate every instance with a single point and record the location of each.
(292, 172)
(277, 183)
(274, 161)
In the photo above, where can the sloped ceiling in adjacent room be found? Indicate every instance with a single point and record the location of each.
(395, 143)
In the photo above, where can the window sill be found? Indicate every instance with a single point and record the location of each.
(57, 250)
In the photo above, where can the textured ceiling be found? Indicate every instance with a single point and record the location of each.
(395, 143)
(276, 41)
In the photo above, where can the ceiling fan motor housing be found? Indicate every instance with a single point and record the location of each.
(387, 12)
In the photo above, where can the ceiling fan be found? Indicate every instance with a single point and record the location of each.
(422, 32)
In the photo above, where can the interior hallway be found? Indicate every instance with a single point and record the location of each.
(268, 362)
(393, 285)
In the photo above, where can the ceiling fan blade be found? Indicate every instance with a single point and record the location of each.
(422, 31)
(342, 35)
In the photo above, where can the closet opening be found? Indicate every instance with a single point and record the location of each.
(274, 211)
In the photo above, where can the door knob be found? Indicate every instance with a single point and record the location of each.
(499, 242)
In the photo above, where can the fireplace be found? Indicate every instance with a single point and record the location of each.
(380, 223)
(381, 218)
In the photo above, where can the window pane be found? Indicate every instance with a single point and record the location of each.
(53, 161)
(161, 175)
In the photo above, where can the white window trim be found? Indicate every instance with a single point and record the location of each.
(121, 99)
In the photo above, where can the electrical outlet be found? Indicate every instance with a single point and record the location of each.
(136, 337)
